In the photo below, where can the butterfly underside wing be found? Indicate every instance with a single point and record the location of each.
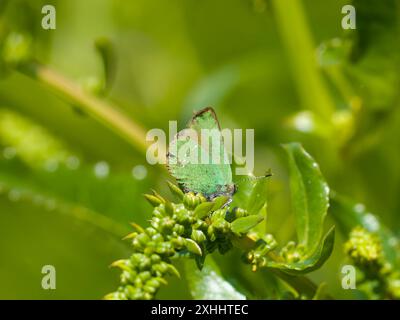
(197, 157)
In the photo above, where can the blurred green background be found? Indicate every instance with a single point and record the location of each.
(69, 185)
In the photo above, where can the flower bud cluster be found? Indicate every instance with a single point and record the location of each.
(194, 228)
(365, 249)
(258, 256)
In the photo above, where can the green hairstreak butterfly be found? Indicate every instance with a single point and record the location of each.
(198, 160)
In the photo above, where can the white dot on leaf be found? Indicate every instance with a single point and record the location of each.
(139, 172)
(101, 169)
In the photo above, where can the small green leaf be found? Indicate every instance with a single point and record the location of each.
(137, 227)
(208, 284)
(251, 191)
(257, 199)
(153, 200)
(173, 271)
(175, 190)
(193, 247)
(157, 195)
(203, 209)
(245, 224)
(310, 262)
(310, 196)
(219, 202)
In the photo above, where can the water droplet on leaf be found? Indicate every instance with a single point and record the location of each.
(101, 169)
(139, 172)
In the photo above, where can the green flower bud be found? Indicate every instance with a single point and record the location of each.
(363, 247)
(270, 240)
(178, 242)
(158, 195)
(172, 271)
(157, 238)
(150, 248)
(165, 248)
(132, 235)
(115, 296)
(169, 209)
(144, 276)
(201, 225)
(239, 212)
(198, 236)
(155, 258)
(138, 282)
(151, 231)
(291, 253)
(191, 201)
(176, 190)
(179, 229)
(153, 282)
(183, 218)
(127, 277)
(143, 238)
(188, 200)
(122, 264)
(147, 296)
(211, 233)
(136, 244)
(221, 225)
(145, 263)
(153, 200)
(150, 289)
(166, 224)
(159, 212)
(136, 258)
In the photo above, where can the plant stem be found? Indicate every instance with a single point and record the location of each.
(301, 50)
(102, 111)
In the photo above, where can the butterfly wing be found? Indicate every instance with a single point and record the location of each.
(200, 162)
(213, 143)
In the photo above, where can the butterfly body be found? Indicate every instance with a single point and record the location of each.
(198, 160)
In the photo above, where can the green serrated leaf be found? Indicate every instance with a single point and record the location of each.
(245, 224)
(310, 262)
(310, 196)
(208, 284)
